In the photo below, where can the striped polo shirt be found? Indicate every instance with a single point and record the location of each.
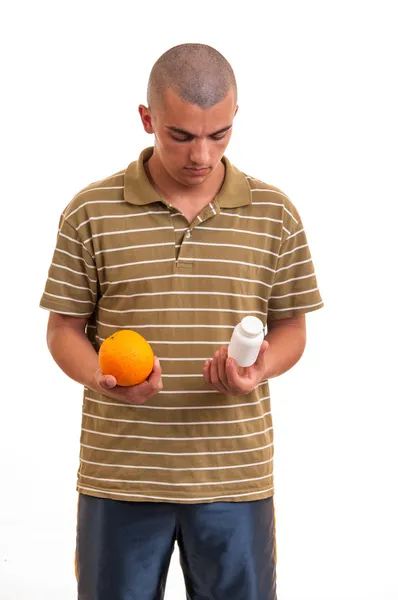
(126, 259)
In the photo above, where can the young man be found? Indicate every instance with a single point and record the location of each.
(179, 246)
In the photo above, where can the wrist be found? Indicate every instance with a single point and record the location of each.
(265, 375)
(268, 366)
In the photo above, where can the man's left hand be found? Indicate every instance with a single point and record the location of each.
(227, 377)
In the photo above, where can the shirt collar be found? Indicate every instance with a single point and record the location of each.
(138, 190)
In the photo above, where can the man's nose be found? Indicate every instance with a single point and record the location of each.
(200, 154)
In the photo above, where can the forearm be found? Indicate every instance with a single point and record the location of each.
(286, 346)
(74, 354)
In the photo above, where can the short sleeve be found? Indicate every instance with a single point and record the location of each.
(71, 286)
(295, 288)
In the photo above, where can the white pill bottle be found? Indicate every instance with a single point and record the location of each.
(246, 340)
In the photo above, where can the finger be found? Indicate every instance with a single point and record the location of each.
(206, 371)
(152, 385)
(222, 375)
(135, 399)
(156, 374)
(263, 349)
(214, 378)
(139, 393)
(156, 366)
(235, 382)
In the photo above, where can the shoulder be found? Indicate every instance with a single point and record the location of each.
(266, 194)
(89, 200)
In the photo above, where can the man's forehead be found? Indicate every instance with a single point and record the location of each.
(190, 119)
(173, 104)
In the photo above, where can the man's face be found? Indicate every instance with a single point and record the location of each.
(190, 141)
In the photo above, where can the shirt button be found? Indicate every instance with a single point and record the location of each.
(188, 234)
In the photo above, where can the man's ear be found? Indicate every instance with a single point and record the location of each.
(236, 110)
(146, 118)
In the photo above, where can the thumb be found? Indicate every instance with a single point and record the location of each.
(108, 382)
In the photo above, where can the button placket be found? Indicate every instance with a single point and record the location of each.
(185, 248)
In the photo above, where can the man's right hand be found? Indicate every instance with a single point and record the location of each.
(135, 394)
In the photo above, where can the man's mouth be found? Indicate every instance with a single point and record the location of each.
(198, 171)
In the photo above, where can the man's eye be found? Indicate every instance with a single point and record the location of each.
(181, 139)
(216, 138)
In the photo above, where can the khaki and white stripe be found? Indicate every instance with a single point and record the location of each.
(124, 259)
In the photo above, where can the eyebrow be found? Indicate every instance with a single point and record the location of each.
(192, 135)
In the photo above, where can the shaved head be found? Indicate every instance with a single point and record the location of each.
(198, 73)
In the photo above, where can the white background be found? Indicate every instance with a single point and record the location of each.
(317, 118)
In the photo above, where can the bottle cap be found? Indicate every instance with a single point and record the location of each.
(252, 326)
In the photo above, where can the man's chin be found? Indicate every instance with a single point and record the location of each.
(195, 177)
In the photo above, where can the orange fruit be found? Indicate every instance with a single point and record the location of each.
(127, 356)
